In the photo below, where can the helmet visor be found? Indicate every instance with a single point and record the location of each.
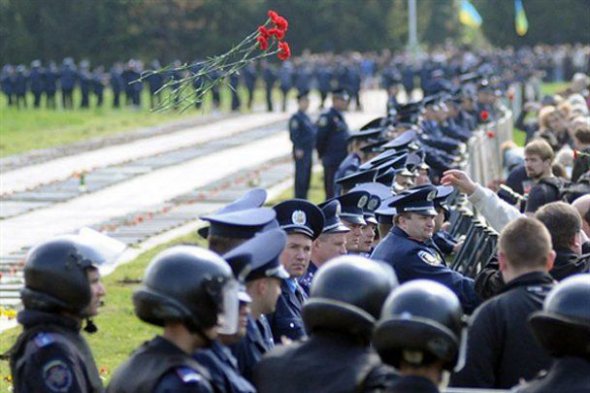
(227, 319)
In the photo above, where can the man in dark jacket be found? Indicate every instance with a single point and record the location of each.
(302, 133)
(500, 348)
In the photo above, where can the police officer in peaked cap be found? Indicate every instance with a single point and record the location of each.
(263, 279)
(190, 292)
(302, 132)
(330, 244)
(344, 304)
(406, 247)
(303, 221)
(352, 216)
(62, 288)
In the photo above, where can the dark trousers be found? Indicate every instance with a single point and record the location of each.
(303, 174)
(269, 107)
(329, 173)
(323, 96)
(67, 100)
(116, 99)
(36, 99)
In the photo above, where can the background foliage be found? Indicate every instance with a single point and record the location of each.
(104, 31)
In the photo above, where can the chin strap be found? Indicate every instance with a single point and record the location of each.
(90, 326)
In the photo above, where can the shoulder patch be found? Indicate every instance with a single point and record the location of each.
(188, 375)
(294, 123)
(43, 339)
(427, 257)
(57, 376)
(323, 121)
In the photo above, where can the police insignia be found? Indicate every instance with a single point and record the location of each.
(372, 205)
(428, 258)
(298, 217)
(323, 121)
(57, 376)
(431, 196)
(188, 375)
(362, 202)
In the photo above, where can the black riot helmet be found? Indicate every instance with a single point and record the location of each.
(56, 277)
(347, 294)
(563, 327)
(187, 284)
(421, 321)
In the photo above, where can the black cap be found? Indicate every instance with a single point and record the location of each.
(340, 93)
(241, 224)
(403, 141)
(375, 123)
(442, 193)
(332, 223)
(386, 178)
(300, 216)
(379, 192)
(388, 156)
(353, 204)
(358, 177)
(366, 134)
(384, 214)
(416, 200)
(409, 112)
(259, 256)
(302, 94)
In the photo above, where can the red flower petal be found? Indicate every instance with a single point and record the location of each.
(284, 51)
(280, 34)
(281, 23)
(273, 15)
(484, 115)
(263, 31)
(262, 42)
(491, 134)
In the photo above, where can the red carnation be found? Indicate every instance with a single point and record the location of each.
(491, 134)
(282, 23)
(284, 51)
(262, 42)
(484, 115)
(264, 32)
(280, 34)
(273, 15)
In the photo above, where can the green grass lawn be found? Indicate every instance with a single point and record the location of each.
(29, 129)
(553, 87)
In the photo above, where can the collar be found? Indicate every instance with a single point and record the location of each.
(291, 284)
(31, 318)
(533, 278)
(400, 232)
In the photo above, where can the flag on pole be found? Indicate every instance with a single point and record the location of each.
(520, 21)
(468, 15)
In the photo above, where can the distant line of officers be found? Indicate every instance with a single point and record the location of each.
(355, 294)
(321, 72)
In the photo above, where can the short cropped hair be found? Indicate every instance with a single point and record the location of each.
(526, 243)
(582, 134)
(541, 148)
(563, 222)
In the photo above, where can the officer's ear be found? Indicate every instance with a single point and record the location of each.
(550, 260)
(502, 262)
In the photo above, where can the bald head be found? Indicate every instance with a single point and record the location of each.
(582, 204)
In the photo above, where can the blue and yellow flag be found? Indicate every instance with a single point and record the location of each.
(520, 21)
(468, 15)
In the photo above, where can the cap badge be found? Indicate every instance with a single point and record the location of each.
(298, 217)
(431, 196)
(362, 202)
(372, 205)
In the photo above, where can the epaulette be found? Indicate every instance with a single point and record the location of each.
(188, 375)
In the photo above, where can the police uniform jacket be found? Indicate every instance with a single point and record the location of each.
(332, 137)
(325, 363)
(302, 132)
(159, 366)
(501, 348)
(286, 320)
(223, 369)
(444, 241)
(51, 356)
(569, 374)
(412, 259)
(253, 346)
(305, 280)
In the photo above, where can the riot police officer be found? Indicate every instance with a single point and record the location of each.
(346, 298)
(302, 132)
(332, 137)
(563, 329)
(62, 287)
(184, 290)
(420, 333)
